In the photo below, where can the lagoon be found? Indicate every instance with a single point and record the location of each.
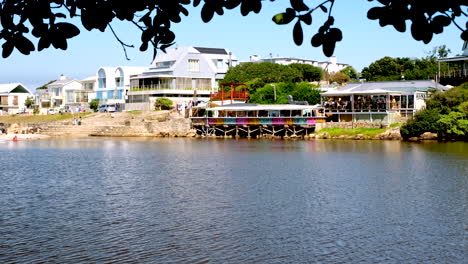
(232, 201)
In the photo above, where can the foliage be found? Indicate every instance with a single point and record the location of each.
(259, 74)
(29, 102)
(446, 114)
(300, 91)
(44, 87)
(94, 104)
(337, 131)
(307, 72)
(350, 72)
(338, 77)
(440, 52)
(424, 121)
(393, 69)
(163, 103)
(51, 22)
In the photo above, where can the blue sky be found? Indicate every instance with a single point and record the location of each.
(364, 41)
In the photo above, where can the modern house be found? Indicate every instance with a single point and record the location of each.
(113, 83)
(376, 101)
(456, 71)
(329, 66)
(89, 85)
(13, 97)
(181, 74)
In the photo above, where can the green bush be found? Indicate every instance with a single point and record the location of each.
(163, 104)
(94, 104)
(424, 121)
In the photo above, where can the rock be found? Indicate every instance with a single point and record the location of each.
(414, 139)
(428, 136)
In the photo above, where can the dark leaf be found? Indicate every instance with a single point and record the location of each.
(67, 30)
(23, 44)
(335, 34)
(328, 48)
(207, 13)
(231, 4)
(298, 36)
(7, 49)
(196, 3)
(316, 40)
(324, 9)
(59, 43)
(44, 43)
(374, 13)
(299, 5)
(60, 15)
(464, 35)
(144, 46)
(307, 18)
(284, 18)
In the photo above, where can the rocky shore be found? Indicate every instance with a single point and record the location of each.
(152, 124)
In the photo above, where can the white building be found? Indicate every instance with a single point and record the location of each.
(330, 66)
(113, 83)
(181, 74)
(13, 97)
(65, 92)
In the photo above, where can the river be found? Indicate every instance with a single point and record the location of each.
(225, 201)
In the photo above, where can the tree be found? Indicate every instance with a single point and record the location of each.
(259, 74)
(300, 91)
(163, 103)
(44, 86)
(350, 72)
(94, 104)
(393, 69)
(29, 102)
(308, 72)
(51, 21)
(338, 77)
(440, 52)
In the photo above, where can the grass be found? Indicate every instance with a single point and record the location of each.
(135, 112)
(396, 125)
(336, 131)
(28, 119)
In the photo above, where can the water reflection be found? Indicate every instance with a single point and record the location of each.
(227, 201)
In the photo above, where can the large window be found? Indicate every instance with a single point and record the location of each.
(110, 94)
(194, 65)
(102, 78)
(119, 79)
(100, 95)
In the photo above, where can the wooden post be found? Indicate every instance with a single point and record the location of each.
(237, 131)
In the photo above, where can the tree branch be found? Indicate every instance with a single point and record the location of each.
(124, 45)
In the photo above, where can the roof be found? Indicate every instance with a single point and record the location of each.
(62, 82)
(11, 87)
(211, 50)
(386, 87)
(90, 78)
(256, 107)
(456, 58)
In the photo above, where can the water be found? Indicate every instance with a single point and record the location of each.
(226, 201)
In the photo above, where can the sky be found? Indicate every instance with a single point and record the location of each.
(364, 42)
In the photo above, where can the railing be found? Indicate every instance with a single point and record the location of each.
(257, 120)
(157, 87)
(229, 95)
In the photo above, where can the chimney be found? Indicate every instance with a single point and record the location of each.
(62, 77)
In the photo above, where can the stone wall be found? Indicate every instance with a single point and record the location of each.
(351, 125)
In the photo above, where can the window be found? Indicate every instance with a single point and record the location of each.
(120, 94)
(101, 79)
(219, 64)
(110, 94)
(100, 95)
(194, 65)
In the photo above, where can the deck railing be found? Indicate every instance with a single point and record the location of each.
(257, 120)
(229, 95)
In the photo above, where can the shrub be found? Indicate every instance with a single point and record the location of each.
(163, 104)
(424, 121)
(94, 104)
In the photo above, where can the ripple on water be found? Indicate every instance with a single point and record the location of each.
(190, 201)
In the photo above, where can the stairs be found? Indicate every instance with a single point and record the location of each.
(71, 130)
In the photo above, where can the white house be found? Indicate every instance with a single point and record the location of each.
(13, 97)
(66, 92)
(113, 83)
(330, 66)
(181, 74)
